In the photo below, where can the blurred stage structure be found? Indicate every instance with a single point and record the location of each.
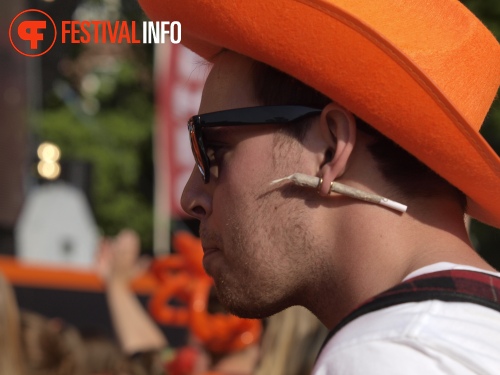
(75, 295)
(48, 236)
(57, 227)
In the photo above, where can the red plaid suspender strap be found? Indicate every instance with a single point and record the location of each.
(449, 286)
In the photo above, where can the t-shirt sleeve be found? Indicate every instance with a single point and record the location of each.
(377, 357)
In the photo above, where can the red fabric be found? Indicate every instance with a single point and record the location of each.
(479, 284)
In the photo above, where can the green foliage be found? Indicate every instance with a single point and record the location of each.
(99, 109)
(112, 141)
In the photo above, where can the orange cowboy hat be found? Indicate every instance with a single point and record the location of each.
(424, 73)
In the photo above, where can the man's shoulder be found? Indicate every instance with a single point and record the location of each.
(414, 319)
(443, 296)
(461, 334)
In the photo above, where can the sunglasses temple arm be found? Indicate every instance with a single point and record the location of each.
(336, 187)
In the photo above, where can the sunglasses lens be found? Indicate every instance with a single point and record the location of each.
(263, 115)
(195, 148)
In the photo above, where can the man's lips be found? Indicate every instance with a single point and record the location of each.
(208, 256)
(209, 250)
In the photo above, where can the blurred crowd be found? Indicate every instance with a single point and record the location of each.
(31, 344)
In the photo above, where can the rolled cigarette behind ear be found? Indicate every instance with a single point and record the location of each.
(313, 182)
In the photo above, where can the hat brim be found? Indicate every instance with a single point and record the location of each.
(380, 79)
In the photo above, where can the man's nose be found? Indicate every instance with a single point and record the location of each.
(196, 199)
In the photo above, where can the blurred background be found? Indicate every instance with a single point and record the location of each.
(96, 133)
(85, 153)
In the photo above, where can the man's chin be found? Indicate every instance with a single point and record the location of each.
(246, 313)
(245, 308)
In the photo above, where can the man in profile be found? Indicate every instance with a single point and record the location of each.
(382, 101)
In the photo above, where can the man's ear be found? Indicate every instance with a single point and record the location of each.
(338, 128)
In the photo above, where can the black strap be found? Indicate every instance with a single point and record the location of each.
(449, 286)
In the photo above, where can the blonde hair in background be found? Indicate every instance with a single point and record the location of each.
(51, 347)
(10, 339)
(291, 343)
(104, 356)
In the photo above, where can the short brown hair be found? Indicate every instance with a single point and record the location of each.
(406, 173)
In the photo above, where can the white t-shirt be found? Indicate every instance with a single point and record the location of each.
(429, 338)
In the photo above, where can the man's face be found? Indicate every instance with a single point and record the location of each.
(256, 237)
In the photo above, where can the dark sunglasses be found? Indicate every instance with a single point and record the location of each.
(265, 115)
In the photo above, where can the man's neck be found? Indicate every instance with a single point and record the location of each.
(378, 250)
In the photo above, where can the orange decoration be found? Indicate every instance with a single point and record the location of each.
(184, 280)
(176, 286)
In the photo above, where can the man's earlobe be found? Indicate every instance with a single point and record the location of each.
(339, 127)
